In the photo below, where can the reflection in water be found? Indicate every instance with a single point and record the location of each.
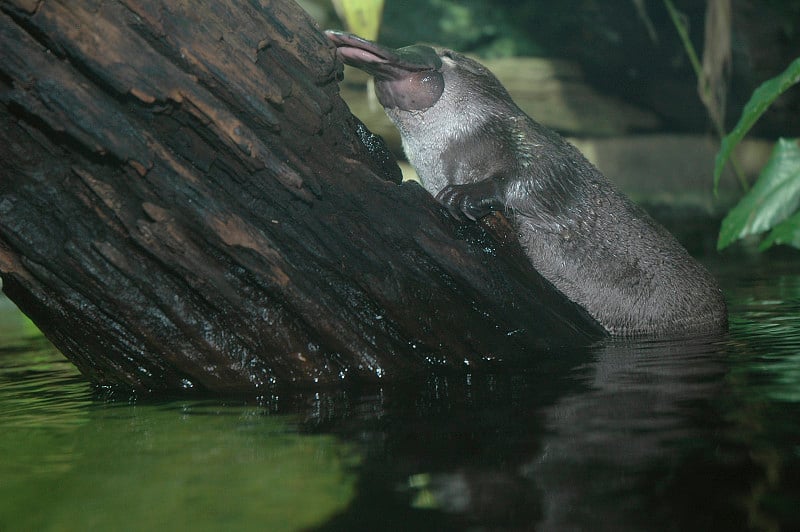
(593, 446)
(678, 435)
(613, 451)
(71, 461)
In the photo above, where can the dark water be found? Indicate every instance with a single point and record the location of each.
(701, 435)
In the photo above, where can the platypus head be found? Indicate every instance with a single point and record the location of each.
(419, 78)
(408, 78)
(440, 101)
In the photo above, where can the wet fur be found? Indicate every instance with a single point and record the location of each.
(477, 152)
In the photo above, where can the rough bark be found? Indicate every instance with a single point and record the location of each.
(186, 202)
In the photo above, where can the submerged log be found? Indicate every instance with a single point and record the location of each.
(186, 202)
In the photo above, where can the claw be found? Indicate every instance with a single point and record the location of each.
(461, 203)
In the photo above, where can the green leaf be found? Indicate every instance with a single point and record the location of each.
(773, 198)
(362, 17)
(786, 232)
(761, 99)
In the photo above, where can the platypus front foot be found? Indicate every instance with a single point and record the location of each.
(472, 200)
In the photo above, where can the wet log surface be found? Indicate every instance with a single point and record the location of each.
(186, 202)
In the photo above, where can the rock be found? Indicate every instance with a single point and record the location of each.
(673, 169)
(554, 93)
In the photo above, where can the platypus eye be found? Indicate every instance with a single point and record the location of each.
(449, 58)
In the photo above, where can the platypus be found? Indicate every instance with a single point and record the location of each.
(477, 152)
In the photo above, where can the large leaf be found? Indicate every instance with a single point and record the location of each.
(787, 232)
(773, 198)
(761, 99)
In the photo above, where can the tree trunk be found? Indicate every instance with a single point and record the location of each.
(186, 202)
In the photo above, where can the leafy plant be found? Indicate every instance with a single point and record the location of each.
(773, 203)
(362, 17)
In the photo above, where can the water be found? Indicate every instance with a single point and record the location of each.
(703, 435)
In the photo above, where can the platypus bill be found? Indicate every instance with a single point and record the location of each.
(477, 152)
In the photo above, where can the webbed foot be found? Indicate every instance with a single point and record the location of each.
(472, 201)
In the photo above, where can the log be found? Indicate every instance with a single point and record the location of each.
(187, 204)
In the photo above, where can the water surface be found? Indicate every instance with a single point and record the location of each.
(650, 435)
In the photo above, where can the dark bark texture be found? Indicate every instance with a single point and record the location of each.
(186, 202)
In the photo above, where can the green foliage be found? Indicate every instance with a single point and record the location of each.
(773, 202)
(787, 232)
(770, 203)
(759, 102)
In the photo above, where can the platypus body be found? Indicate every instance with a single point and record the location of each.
(477, 152)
